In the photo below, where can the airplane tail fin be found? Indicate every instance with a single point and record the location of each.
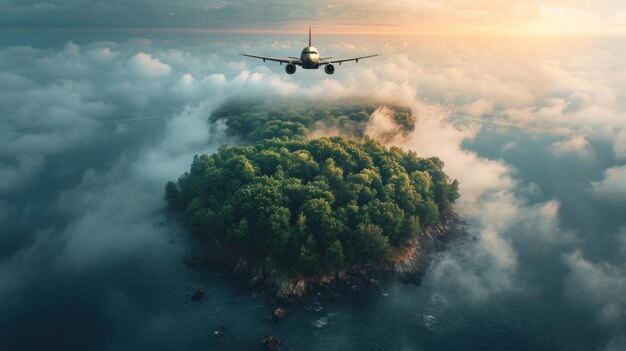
(310, 41)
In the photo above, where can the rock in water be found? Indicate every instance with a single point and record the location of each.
(271, 343)
(429, 322)
(279, 314)
(221, 333)
(198, 294)
(320, 323)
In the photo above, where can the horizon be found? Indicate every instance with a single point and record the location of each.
(484, 17)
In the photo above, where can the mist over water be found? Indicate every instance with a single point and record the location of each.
(92, 129)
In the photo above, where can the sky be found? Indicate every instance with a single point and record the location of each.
(102, 102)
(580, 17)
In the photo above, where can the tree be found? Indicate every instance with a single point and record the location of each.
(172, 193)
(374, 246)
(311, 206)
(334, 255)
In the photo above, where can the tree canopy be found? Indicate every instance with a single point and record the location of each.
(253, 120)
(309, 206)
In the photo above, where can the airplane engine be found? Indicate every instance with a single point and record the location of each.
(329, 68)
(290, 68)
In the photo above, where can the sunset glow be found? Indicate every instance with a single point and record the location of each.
(421, 17)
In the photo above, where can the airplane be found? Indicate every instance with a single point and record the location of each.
(309, 59)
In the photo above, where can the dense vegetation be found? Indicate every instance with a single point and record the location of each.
(257, 120)
(309, 206)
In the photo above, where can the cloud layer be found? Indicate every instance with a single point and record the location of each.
(93, 131)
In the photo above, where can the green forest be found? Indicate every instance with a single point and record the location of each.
(309, 206)
(255, 120)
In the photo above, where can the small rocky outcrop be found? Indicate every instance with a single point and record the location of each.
(199, 294)
(291, 288)
(271, 343)
(279, 313)
(220, 333)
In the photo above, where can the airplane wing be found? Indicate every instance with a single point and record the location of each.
(339, 61)
(275, 59)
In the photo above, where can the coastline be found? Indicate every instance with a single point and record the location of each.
(407, 264)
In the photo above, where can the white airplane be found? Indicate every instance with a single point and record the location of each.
(309, 59)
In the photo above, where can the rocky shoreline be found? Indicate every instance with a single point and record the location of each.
(408, 264)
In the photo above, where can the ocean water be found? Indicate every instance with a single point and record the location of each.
(82, 268)
(144, 303)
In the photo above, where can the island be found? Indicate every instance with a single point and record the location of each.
(294, 213)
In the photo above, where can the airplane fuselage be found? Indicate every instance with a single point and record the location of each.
(310, 58)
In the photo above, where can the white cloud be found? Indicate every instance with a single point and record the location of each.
(184, 86)
(496, 215)
(510, 145)
(600, 284)
(619, 144)
(56, 103)
(478, 108)
(503, 226)
(147, 66)
(613, 184)
(98, 230)
(71, 49)
(577, 145)
(103, 56)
